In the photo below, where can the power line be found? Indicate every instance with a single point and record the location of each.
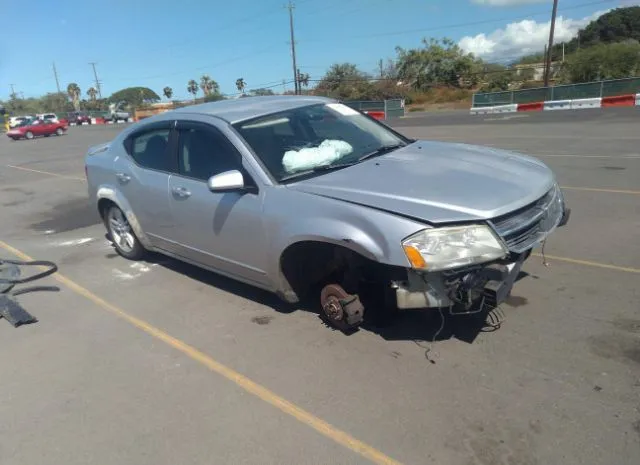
(207, 67)
(459, 25)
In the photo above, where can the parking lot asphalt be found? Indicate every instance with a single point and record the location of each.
(161, 363)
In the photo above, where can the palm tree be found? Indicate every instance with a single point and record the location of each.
(303, 79)
(192, 88)
(240, 84)
(168, 92)
(73, 90)
(92, 93)
(205, 84)
(208, 85)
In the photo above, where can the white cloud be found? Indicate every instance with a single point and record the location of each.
(522, 38)
(507, 2)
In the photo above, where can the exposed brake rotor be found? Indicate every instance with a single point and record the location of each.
(342, 310)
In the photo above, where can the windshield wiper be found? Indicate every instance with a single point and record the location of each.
(381, 151)
(317, 169)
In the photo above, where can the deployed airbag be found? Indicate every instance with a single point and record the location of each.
(310, 157)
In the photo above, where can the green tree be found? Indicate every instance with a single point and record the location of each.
(615, 26)
(168, 92)
(618, 25)
(602, 61)
(240, 85)
(345, 81)
(54, 102)
(303, 79)
(262, 92)
(134, 96)
(437, 63)
(92, 93)
(209, 86)
(192, 88)
(73, 90)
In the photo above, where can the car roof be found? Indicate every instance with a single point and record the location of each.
(240, 109)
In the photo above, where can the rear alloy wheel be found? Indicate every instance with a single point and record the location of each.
(59, 132)
(28, 135)
(122, 235)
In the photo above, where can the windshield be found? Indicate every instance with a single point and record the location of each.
(307, 139)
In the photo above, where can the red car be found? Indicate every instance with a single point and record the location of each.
(35, 128)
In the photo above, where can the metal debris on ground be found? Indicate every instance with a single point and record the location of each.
(10, 276)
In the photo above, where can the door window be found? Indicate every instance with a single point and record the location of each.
(149, 149)
(203, 153)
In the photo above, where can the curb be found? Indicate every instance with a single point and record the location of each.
(627, 100)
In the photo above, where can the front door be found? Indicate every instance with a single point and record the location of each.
(143, 179)
(39, 128)
(223, 231)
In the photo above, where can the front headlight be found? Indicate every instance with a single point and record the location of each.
(445, 248)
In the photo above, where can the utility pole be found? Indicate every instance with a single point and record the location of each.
(544, 63)
(290, 7)
(547, 70)
(381, 69)
(55, 73)
(95, 74)
(13, 92)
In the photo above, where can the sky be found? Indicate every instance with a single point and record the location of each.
(158, 43)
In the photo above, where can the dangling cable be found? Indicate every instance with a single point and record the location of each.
(544, 258)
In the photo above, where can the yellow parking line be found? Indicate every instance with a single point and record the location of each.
(595, 189)
(48, 173)
(589, 263)
(240, 380)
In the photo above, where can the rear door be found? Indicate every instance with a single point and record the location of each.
(143, 178)
(223, 231)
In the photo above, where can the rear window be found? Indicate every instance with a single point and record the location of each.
(149, 149)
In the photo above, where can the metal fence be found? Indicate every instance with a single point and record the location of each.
(565, 92)
(392, 108)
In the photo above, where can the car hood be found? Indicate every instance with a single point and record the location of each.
(438, 182)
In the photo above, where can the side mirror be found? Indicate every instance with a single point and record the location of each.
(227, 181)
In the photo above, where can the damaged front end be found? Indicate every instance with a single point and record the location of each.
(465, 290)
(471, 267)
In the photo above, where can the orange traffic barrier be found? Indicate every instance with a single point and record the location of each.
(375, 114)
(628, 100)
(535, 106)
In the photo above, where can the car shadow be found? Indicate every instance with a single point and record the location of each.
(420, 326)
(223, 283)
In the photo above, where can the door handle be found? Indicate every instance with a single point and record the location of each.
(123, 178)
(181, 192)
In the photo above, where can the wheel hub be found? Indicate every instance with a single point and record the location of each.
(343, 310)
(333, 308)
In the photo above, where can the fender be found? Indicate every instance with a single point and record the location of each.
(372, 244)
(112, 194)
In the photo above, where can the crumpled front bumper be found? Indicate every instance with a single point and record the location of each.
(434, 290)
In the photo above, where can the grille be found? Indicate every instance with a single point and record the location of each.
(528, 226)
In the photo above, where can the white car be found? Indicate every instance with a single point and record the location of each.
(48, 116)
(17, 120)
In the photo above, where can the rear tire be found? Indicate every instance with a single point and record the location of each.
(122, 236)
(28, 135)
